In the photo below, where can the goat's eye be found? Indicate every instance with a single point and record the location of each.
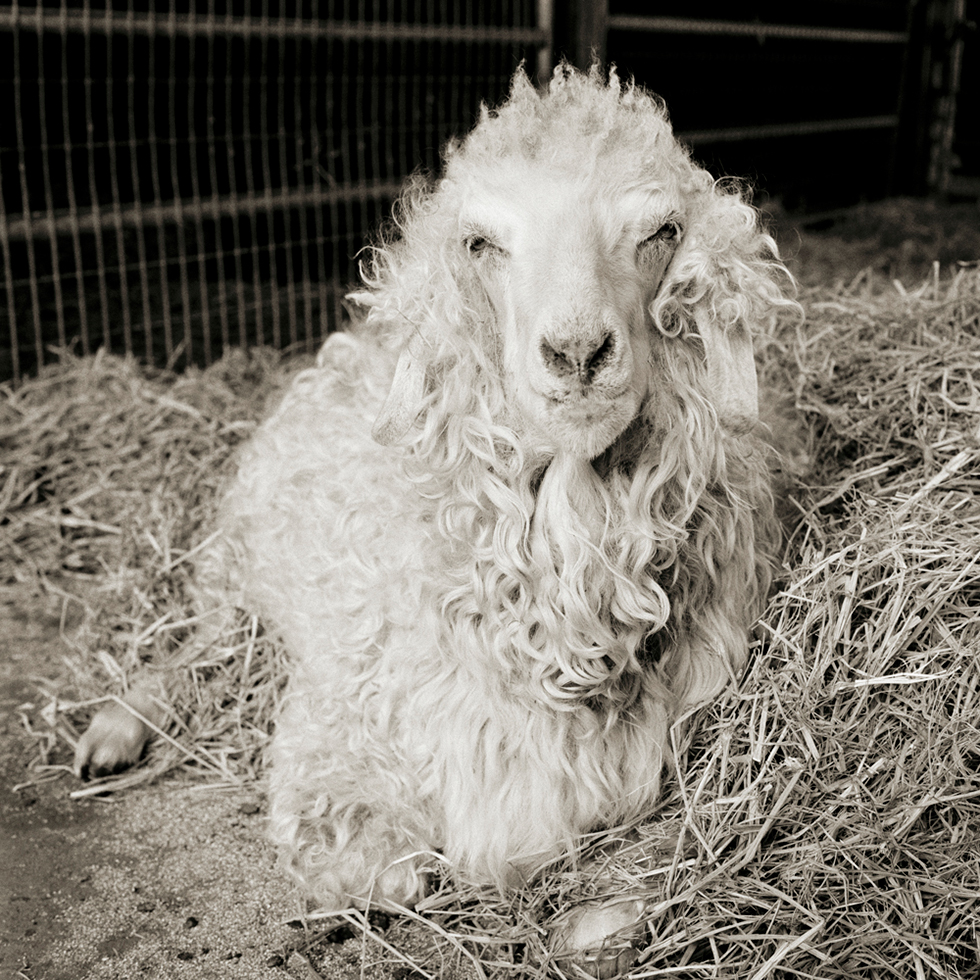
(481, 245)
(666, 234)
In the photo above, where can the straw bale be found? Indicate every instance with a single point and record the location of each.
(822, 819)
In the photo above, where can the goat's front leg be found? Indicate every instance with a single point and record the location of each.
(600, 936)
(119, 731)
(347, 828)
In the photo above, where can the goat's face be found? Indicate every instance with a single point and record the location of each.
(569, 239)
(571, 267)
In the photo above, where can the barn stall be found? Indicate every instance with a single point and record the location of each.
(828, 802)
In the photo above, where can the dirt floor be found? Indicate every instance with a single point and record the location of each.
(170, 882)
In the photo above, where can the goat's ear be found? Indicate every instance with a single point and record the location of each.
(732, 383)
(404, 401)
(723, 284)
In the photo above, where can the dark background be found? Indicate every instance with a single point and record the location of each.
(179, 177)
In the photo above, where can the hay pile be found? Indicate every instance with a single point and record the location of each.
(826, 812)
(109, 475)
(835, 796)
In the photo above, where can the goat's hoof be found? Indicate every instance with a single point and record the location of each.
(113, 741)
(599, 939)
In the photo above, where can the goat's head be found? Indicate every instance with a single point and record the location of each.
(570, 268)
(569, 235)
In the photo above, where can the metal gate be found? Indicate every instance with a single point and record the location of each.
(178, 176)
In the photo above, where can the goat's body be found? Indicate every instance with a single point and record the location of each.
(393, 738)
(519, 520)
(399, 735)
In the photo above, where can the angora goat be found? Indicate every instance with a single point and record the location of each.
(520, 517)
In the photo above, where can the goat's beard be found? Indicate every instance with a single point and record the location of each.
(559, 558)
(594, 615)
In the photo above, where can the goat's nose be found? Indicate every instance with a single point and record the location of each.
(578, 357)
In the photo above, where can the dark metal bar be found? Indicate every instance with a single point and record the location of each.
(590, 24)
(93, 193)
(25, 197)
(195, 205)
(114, 168)
(222, 304)
(687, 25)
(52, 19)
(8, 278)
(788, 129)
(84, 219)
(134, 212)
(152, 143)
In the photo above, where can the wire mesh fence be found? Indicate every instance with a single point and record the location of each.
(178, 176)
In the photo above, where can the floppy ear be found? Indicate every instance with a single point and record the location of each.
(730, 359)
(404, 400)
(724, 286)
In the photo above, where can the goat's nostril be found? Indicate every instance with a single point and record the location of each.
(599, 356)
(584, 358)
(555, 360)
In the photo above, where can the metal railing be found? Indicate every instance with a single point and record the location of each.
(175, 181)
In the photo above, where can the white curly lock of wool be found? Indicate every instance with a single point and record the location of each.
(518, 518)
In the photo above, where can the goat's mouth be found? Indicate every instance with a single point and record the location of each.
(586, 423)
(585, 397)
(582, 400)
